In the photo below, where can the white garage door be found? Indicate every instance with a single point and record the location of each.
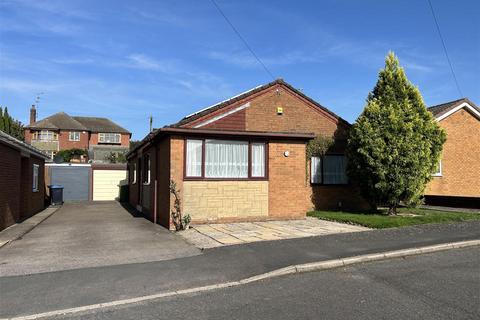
(106, 182)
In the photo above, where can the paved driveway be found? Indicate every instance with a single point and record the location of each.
(83, 235)
(216, 235)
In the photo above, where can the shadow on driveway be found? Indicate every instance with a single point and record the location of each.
(87, 234)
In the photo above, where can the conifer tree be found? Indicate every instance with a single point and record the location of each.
(395, 144)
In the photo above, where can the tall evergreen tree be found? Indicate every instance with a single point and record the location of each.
(11, 126)
(395, 144)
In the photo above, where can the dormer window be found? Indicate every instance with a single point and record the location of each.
(109, 138)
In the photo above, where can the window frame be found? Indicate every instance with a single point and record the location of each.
(321, 183)
(102, 134)
(35, 176)
(133, 177)
(147, 165)
(204, 178)
(41, 133)
(439, 173)
(70, 133)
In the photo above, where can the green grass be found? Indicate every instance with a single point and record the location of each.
(380, 220)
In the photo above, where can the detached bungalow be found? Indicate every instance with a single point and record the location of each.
(244, 159)
(22, 183)
(457, 181)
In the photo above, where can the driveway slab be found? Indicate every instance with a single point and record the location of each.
(217, 235)
(81, 235)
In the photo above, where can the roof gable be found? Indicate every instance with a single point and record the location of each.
(20, 145)
(444, 110)
(217, 109)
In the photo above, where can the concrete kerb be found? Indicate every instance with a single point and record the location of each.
(301, 268)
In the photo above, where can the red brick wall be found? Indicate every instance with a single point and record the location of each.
(124, 139)
(460, 158)
(288, 190)
(17, 199)
(65, 143)
(10, 164)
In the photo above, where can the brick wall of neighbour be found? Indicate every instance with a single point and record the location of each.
(124, 139)
(460, 158)
(210, 201)
(17, 199)
(10, 164)
(65, 143)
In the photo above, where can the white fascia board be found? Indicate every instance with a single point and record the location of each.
(223, 115)
(460, 106)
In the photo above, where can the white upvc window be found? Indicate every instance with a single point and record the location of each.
(35, 178)
(225, 159)
(438, 171)
(109, 137)
(74, 136)
(329, 169)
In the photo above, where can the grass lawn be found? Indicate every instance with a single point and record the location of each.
(378, 220)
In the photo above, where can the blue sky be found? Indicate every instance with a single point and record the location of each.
(128, 59)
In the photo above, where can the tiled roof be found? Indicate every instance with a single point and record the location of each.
(20, 145)
(95, 124)
(220, 105)
(443, 108)
(61, 120)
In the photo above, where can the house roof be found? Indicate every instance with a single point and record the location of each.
(61, 120)
(219, 133)
(57, 121)
(442, 109)
(96, 124)
(203, 112)
(20, 145)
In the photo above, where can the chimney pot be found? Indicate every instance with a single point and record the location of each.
(33, 114)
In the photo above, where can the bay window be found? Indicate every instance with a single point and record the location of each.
(329, 169)
(225, 159)
(45, 135)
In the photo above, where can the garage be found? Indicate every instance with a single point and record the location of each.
(106, 181)
(75, 179)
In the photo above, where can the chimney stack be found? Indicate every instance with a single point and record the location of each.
(33, 114)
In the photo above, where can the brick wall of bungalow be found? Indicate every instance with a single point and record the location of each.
(460, 158)
(290, 194)
(300, 116)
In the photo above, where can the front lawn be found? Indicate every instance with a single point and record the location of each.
(379, 221)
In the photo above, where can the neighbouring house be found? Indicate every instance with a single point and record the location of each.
(457, 180)
(244, 159)
(98, 136)
(22, 183)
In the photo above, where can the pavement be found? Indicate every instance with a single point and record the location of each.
(216, 235)
(450, 209)
(18, 230)
(80, 287)
(443, 285)
(83, 235)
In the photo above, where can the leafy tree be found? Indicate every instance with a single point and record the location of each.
(69, 154)
(395, 144)
(11, 126)
(116, 157)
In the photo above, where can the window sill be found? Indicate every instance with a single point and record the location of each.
(146, 184)
(329, 184)
(224, 179)
(437, 175)
(35, 190)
